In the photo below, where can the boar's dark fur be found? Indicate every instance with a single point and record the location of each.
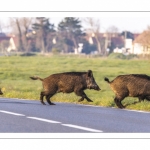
(133, 85)
(67, 82)
(1, 93)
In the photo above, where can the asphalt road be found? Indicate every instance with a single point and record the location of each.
(30, 116)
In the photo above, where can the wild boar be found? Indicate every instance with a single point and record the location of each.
(67, 82)
(1, 93)
(132, 85)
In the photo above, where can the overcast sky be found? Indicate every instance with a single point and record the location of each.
(129, 15)
(132, 24)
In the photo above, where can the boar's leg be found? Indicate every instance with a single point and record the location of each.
(88, 99)
(41, 98)
(48, 99)
(118, 102)
(83, 95)
(147, 98)
(141, 98)
(81, 99)
(1, 93)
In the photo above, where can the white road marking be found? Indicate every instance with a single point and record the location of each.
(7, 112)
(82, 128)
(45, 120)
(52, 121)
(116, 108)
(90, 105)
(137, 111)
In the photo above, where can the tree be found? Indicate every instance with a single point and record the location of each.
(26, 26)
(15, 22)
(88, 48)
(21, 27)
(110, 33)
(1, 26)
(94, 29)
(43, 27)
(71, 31)
(144, 40)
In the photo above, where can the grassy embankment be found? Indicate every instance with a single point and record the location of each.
(16, 70)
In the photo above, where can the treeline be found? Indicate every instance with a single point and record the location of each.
(40, 35)
(69, 36)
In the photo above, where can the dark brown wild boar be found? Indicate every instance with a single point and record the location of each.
(1, 93)
(133, 85)
(67, 82)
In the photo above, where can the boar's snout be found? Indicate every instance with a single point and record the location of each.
(95, 87)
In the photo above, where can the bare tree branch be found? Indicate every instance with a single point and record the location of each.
(94, 29)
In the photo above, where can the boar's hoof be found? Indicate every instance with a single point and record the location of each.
(81, 99)
(121, 107)
(43, 103)
(89, 100)
(52, 104)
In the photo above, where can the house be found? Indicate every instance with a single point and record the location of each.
(130, 45)
(12, 45)
(7, 42)
(108, 41)
(137, 48)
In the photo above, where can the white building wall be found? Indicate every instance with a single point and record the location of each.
(11, 45)
(137, 48)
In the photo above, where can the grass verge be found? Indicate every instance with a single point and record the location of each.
(16, 70)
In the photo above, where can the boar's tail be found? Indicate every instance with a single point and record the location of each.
(106, 79)
(36, 78)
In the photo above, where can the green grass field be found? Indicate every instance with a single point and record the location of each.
(16, 70)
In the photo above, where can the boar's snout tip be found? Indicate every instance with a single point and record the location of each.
(97, 88)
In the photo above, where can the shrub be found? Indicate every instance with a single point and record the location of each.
(122, 56)
(55, 50)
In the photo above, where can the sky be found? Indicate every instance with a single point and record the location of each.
(133, 24)
(131, 15)
(130, 23)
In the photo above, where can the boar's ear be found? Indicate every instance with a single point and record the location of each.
(89, 73)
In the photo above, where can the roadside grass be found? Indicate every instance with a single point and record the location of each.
(16, 70)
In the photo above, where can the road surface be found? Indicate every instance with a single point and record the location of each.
(30, 116)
